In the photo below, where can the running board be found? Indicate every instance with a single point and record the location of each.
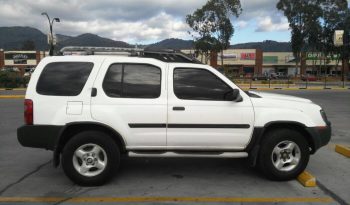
(189, 154)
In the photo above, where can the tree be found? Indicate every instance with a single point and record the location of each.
(336, 16)
(303, 16)
(212, 26)
(28, 45)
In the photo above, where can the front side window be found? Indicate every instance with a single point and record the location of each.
(64, 78)
(132, 81)
(199, 84)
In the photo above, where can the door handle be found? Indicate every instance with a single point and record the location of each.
(178, 108)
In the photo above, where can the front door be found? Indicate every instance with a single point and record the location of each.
(199, 115)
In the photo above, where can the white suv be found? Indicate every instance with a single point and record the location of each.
(90, 110)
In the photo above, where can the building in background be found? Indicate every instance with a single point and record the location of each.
(279, 62)
(20, 61)
(241, 61)
(247, 62)
(238, 62)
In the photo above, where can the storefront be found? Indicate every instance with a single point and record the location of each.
(282, 63)
(20, 61)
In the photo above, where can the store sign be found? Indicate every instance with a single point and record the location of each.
(338, 38)
(270, 59)
(290, 59)
(231, 56)
(247, 56)
(319, 56)
(20, 58)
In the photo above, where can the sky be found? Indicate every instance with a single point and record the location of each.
(141, 21)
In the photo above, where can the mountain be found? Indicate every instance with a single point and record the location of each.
(266, 46)
(61, 37)
(12, 38)
(89, 39)
(172, 43)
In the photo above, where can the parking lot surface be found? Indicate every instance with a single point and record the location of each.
(27, 175)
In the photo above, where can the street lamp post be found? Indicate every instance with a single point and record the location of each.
(51, 34)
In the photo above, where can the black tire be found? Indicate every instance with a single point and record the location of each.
(87, 137)
(273, 138)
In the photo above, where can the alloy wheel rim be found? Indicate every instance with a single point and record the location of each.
(286, 156)
(89, 160)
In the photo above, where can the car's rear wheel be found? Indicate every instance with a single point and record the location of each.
(90, 158)
(284, 154)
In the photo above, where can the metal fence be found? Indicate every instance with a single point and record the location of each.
(306, 82)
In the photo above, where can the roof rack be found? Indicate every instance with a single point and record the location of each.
(165, 55)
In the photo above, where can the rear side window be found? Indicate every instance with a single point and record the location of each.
(132, 81)
(64, 78)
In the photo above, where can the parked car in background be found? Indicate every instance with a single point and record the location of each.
(11, 69)
(282, 76)
(260, 77)
(273, 75)
(28, 72)
(308, 78)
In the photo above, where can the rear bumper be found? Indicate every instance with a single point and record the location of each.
(39, 136)
(320, 135)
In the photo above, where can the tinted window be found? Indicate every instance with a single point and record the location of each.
(132, 81)
(199, 84)
(64, 78)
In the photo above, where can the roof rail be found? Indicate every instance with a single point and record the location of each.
(96, 50)
(166, 55)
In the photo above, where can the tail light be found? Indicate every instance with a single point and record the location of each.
(28, 111)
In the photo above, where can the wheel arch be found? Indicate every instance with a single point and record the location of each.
(71, 129)
(259, 133)
(300, 127)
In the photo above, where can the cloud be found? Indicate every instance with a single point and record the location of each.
(266, 24)
(241, 24)
(134, 21)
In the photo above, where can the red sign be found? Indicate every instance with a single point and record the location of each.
(247, 56)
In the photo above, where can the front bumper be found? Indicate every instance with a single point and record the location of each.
(39, 136)
(320, 136)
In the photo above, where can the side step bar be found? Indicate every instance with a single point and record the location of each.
(189, 154)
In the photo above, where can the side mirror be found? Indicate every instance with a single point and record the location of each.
(234, 96)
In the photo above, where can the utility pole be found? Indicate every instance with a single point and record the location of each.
(50, 36)
(339, 42)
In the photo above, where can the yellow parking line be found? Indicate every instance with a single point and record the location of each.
(163, 199)
(343, 150)
(306, 179)
(12, 96)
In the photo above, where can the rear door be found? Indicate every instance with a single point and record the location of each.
(200, 117)
(131, 98)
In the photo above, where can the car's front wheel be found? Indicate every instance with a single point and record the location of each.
(90, 158)
(284, 154)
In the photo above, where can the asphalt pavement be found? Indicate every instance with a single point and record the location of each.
(27, 174)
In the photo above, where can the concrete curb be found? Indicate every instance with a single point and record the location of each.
(343, 150)
(20, 89)
(12, 96)
(306, 179)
